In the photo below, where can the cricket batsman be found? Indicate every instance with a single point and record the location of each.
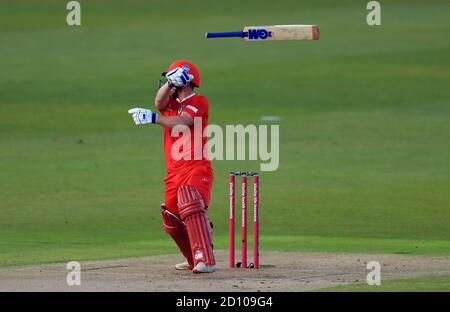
(189, 179)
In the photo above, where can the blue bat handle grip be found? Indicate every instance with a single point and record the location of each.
(225, 34)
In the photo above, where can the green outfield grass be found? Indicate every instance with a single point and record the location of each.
(440, 283)
(364, 130)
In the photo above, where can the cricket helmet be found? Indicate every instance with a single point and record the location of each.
(190, 69)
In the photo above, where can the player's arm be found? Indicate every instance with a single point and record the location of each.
(142, 116)
(172, 121)
(162, 96)
(175, 78)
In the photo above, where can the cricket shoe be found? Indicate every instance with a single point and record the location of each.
(184, 266)
(201, 267)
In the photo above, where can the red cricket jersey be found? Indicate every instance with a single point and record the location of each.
(195, 105)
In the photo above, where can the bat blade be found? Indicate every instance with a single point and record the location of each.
(281, 32)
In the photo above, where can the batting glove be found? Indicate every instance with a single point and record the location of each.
(179, 77)
(142, 116)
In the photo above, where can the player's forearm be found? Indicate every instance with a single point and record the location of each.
(143, 116)
(172, 121)
(162, 96)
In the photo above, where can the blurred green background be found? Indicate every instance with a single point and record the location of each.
(364, 130)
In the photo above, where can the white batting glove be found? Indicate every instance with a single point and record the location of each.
(179, 77)
(142, 116)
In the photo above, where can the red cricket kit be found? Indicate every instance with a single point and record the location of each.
(194, 168)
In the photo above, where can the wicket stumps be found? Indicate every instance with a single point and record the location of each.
(244, 181)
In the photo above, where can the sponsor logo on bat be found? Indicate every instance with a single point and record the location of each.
(255, 34)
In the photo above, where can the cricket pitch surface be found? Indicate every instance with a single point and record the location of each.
(280, 271)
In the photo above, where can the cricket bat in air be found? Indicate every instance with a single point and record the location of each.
(274, 32)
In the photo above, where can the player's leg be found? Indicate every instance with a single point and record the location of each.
(193, 212)
(173, 225)
(176, 228)
(202, 178)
